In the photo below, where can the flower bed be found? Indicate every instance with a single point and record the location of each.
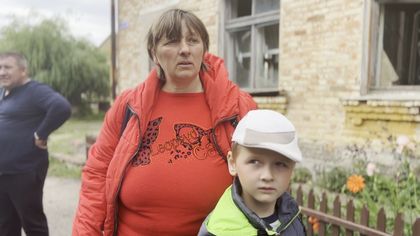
(397, 190)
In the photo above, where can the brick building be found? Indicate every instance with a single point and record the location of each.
(346, 72)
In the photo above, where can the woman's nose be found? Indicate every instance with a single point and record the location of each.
(184, 47)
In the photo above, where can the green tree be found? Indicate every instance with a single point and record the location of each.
(73, 67)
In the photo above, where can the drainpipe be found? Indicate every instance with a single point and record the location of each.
(113, 53)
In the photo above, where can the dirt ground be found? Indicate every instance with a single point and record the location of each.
(60, 201)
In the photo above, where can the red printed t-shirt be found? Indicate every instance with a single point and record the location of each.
(177, 178)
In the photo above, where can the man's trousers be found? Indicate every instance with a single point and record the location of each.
(21, 203)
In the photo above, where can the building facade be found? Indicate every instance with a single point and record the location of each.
(346, 72)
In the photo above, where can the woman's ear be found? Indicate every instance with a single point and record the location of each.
(231, 164)
(155, 60)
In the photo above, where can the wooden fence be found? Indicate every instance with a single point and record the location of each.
(337, 223)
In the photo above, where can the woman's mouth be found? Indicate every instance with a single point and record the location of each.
(184, 63)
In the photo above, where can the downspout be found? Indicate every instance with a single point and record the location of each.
(113, 53)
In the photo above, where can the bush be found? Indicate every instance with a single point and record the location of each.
(301, 175)
(397, 190)
(334, 180)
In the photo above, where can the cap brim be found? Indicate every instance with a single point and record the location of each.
(286, 150)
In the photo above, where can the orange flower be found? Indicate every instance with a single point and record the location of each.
(355, 183)
(314, 222)
(315, 227)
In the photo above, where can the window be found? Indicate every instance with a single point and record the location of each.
(251, 43)
(396, 45)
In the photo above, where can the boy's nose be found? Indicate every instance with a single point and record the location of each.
(266, 174)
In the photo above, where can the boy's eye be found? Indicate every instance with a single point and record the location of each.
(254, 162)
(281, 164)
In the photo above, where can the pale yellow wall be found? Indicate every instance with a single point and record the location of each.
(320, 46)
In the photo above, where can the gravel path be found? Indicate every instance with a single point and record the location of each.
(61, 196)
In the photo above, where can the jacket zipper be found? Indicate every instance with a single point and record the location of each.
(213, 135)
(290, 221)
(122, 176)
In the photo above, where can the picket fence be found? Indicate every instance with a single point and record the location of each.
(333, 223)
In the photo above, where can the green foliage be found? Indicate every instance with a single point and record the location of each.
(301, 175)
(397, 194)
(397, 190)
(75, 68)
(416, 171)
(334, 180)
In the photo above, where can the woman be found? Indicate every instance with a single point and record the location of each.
(164, 173)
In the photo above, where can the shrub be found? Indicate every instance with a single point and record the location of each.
(301, 175)
(334, 180)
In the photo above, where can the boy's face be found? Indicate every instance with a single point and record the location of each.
(264, 176)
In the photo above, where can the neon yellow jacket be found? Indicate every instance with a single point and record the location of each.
(232, 218)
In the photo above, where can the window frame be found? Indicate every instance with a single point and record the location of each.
(253, 22)
(371, 59)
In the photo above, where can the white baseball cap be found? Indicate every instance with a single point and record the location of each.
(270, 130)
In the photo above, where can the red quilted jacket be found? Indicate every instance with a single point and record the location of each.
(109, 156)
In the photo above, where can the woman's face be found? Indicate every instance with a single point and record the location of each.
(181, 58)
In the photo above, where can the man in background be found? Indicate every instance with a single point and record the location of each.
(29, 112)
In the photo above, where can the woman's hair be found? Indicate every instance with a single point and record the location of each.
(169, 25)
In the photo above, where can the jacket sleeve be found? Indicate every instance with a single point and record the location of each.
(91, 210)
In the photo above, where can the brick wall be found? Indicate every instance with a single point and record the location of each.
(320, 43)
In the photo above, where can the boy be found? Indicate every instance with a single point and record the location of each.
(263, 156)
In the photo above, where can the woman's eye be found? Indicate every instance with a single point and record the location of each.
(193, 40)
(170, 42)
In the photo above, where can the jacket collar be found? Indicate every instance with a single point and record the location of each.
(287, 209)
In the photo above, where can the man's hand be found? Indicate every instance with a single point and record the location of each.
(40, 142)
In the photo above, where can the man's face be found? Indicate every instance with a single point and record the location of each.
(11, 74)
(264, 176)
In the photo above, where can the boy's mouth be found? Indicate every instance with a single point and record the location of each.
(267, 189)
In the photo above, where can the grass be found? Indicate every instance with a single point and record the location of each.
(62, 169)
(67, 146)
